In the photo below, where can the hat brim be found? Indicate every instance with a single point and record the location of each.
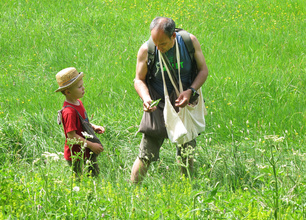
(78, 78)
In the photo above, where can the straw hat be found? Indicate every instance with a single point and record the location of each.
(67, 78)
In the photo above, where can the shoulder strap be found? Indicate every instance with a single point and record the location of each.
(151, 54)
(187, 40)
(189, 45)
(59, 114)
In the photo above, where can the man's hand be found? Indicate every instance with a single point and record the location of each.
(183, 99)
(147, 106)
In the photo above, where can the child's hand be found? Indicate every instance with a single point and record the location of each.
(96, 148)
(98, 129)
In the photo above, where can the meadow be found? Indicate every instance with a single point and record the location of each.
(249, 162)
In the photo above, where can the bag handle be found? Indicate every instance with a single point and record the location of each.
(178, 59)
(172, 71)
(163, 63)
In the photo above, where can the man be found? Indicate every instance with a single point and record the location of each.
(163, 35)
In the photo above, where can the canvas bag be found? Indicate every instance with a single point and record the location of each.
(152, 123)
(186, 125)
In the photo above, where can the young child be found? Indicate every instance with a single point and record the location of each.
(72, 116)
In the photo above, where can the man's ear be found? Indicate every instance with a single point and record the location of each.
(174, 35)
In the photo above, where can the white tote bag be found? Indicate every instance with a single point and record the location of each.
(186, 125)
(174, 125)
(193, 119)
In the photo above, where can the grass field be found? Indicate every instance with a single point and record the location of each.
(250, 162)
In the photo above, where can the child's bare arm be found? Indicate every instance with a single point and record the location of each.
(95, 147)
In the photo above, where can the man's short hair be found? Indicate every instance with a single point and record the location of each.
(167, 25)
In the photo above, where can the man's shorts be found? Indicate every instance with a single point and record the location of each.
(150, 147)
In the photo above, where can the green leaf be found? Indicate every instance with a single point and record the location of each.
(155, 103)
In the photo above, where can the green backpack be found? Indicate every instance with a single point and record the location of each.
(188, 43)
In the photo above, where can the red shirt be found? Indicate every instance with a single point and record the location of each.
(71, 122)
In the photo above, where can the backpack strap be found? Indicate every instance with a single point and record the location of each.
(187, 40)
(190, 48)
(59, 114)
(151, 54)
(86, 126)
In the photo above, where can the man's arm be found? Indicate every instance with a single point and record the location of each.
(201, 77)
(140, 78)
(201, 64)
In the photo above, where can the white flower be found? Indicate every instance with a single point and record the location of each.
(251, 160)
(72, 141)
(200, 200)
(275, 138)
(53, 156)
(280, 139)
(86, 135)
(36, 160)
(261, 166)
(261, 150)
(76, 189)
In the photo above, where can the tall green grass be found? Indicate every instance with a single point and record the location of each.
(256, 87)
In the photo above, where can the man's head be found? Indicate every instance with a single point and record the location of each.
(163, 33)
(68, 78)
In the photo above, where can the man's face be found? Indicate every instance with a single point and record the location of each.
(162, 41)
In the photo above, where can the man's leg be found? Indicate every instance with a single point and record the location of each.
(139, 170)
(148, 152)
